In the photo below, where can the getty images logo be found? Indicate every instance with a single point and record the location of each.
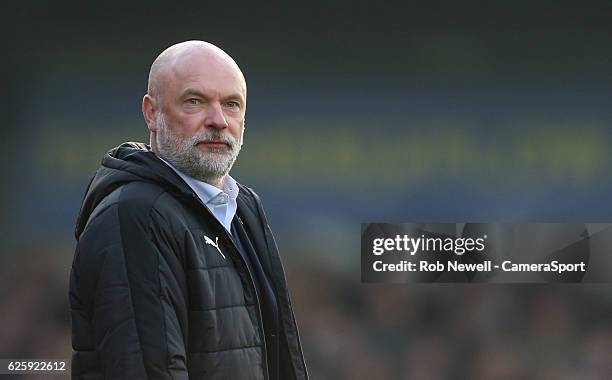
(404, 243)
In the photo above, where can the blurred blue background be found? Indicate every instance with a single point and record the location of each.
(357, 112)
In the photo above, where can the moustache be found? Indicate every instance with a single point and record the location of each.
(206, 137)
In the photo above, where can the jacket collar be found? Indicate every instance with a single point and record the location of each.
(254, 225)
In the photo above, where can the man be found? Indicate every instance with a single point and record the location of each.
(176, 273)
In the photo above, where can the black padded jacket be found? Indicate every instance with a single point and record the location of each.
(152, 299)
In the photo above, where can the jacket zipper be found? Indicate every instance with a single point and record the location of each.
(259, 314)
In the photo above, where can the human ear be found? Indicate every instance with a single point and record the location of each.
(149, 112)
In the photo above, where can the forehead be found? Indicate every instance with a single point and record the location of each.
(210, 74)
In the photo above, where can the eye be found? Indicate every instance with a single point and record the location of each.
(233, 104)
(193, 101)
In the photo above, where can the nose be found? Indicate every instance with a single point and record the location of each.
(215, 117)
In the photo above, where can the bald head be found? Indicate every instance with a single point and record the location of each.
(180, 57)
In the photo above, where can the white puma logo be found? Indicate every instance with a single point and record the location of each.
(215, 244)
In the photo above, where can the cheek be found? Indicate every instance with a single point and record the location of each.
(239, 133)
(184, 126)
(237, 127)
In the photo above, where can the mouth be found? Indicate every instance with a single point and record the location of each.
(213, 144)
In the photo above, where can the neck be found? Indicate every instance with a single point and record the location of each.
(219, 183)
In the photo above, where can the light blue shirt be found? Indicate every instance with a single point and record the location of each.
(221, 203)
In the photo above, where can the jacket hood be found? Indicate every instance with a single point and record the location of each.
(129, 162)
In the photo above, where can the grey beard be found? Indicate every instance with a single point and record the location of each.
(184, 154)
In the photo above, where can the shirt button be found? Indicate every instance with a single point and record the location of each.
(220, 199)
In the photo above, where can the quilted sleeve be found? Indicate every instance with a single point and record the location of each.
(121, 302)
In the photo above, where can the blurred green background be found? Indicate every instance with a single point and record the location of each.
(357, 112)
